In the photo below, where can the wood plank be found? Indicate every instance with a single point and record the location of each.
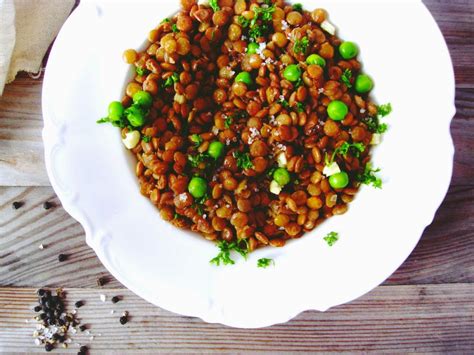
(444, 254)
(430, 318)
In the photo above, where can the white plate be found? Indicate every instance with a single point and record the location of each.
(92, 173)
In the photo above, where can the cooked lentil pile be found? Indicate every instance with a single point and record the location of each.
(250, 121)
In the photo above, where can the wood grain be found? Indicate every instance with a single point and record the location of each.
(430, 318)
(443, 255)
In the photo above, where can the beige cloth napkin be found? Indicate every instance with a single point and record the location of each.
(27, 28)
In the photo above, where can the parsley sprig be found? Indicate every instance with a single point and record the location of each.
(331, 238)
(196, 139)
(346, 78)
(301, 45)
(174, 28)
(243, 160)
(298, 7)
(368, 177)
(196, 160)
(260, 24)
(146, 139)
(141, 71)
(214, 5)
(265, 262)
(171, 80)
(224, 256)
(373, 123)
(354, 148)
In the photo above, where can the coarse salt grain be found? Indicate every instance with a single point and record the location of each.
(112, 311)
(284, 25)
(41, 247)
(37, 342)
(362, 110)
(320, 90)
(260, 49)
(182, 197)
(103, 297)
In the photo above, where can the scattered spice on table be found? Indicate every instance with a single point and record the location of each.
(47, 205)
(62, 257)
(79, 304)
(115, 299)
(101, 281)
(124, 318)
(41, 246)
(17, 204)
(82, 350)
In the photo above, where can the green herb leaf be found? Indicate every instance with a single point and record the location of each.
(384, 110)
(265, 262)
(146, 139)
(166, 20)
(374, 125)
(174, 28)
(284, 103)
(196, 139)
(228, 121)
(196, 160)
(141, 71)
(225, 248)
(171, 80)
(103, 120)
(346, 78)
(332, 238)
(214, 5)
(354, 148)
(369, 177)
(243, 160)
(300, 107)
(298, 7)
(244, 22)
(301, 45)
(260, 24)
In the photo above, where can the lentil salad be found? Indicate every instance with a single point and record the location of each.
(250, 120)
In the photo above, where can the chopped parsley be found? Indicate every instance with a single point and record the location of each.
(196, 139)
(384, 110)
(244, 22)
(354, 148)
(228, 121)
(174, 28)
(166, 20)
(226, 248)
(369, 177)
(214, 5)
(373, 123)
(146, 139)
(265, 262)
(196, 160)
(346, 78)
(298, 7)
(121, 123)
(171, 80)
(301, 45)
(332, 238)
(300, 107)
(141, 71)
(256, 29)
(284, 103)
(243, 160)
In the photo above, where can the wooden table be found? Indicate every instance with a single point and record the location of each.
(426, 306)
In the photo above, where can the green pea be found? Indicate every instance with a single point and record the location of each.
(197, 187)
(348, 50)
(337, 110)
(135, 116)
(216, 149)
(339, 180)
(292, 72)
(244, 77)
(316, 59)
(143, 98)
(363, 84)
(116, 110)
(281, 176)
(252, 48)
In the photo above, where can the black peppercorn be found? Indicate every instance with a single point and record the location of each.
(48, 347)
(56, 336)
(40, 292)
(101, 281)
(78, 304)
(115, 299)
(37, 308)
(123, 320)
(62, 257)
(43, 316)
(47, 205)
(82, 327)
(83, 349)
(16, 205)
